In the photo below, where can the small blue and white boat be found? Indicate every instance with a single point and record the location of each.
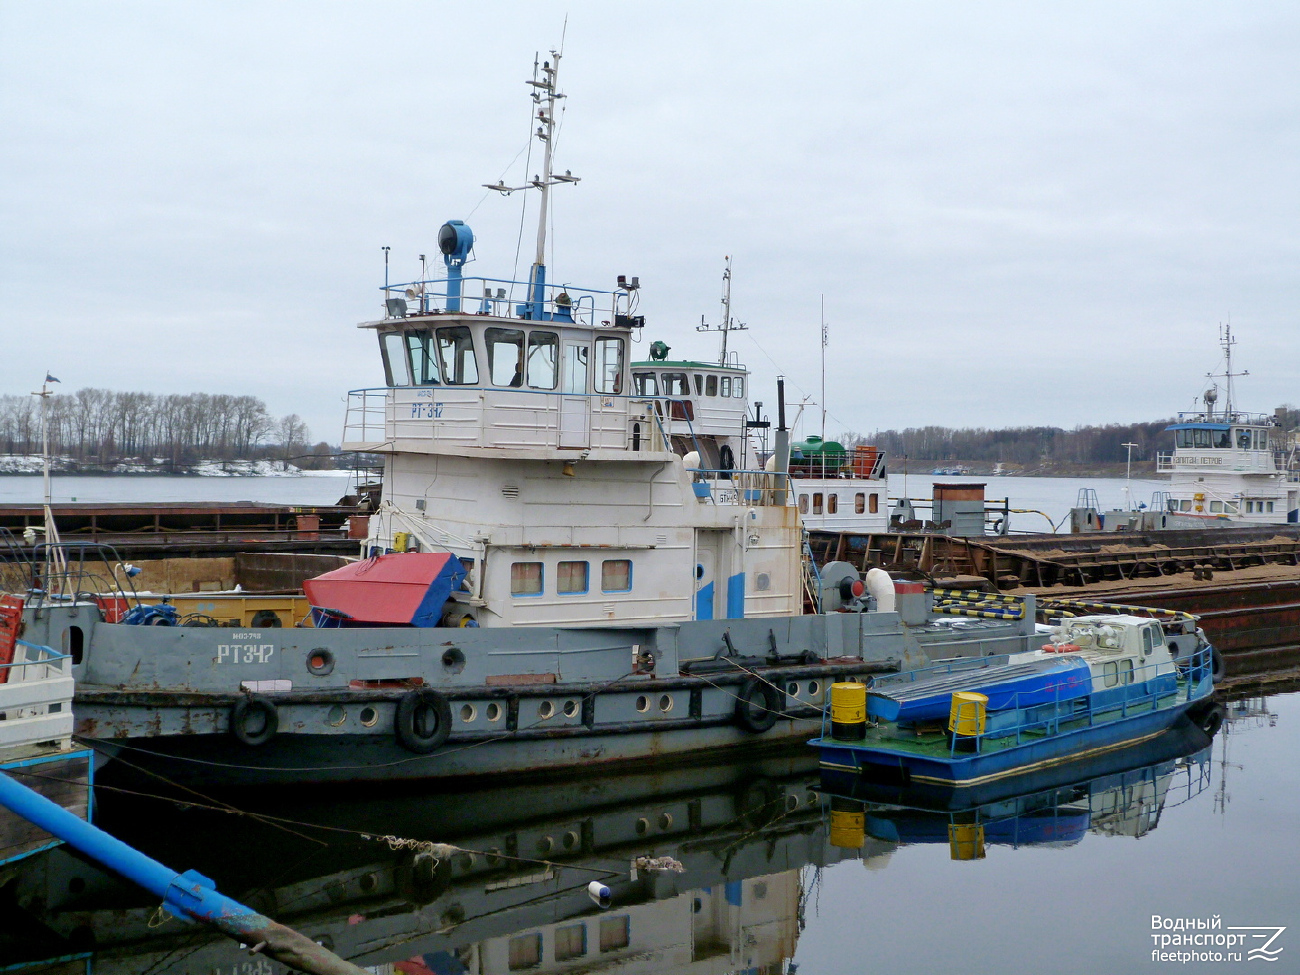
(1101, 683)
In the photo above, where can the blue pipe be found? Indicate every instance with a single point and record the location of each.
(188, 895)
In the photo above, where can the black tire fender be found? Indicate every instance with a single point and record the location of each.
(254, 720)
(758, 704)
(1211, 719)
(1218, 667)
(423, 721)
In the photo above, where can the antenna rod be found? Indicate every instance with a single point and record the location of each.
(825, 339)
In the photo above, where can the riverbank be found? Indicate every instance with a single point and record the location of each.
(21, 465)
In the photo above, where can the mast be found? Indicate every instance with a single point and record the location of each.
(545, 95)
(729, 324)
(825, 341)
(55, 565)
(1226, 341)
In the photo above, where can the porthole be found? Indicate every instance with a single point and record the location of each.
(570, 708)
(494, 711)
(699, 571)
(336, 716)
(368, 882)
(468, 713)
(453, 660)
(813, 687)
(320, 662)
(642, 826)
(643, 704)
(665, 821)
(464, 861)
(791, 803)
(665, 703)
(369, 717)
(792, 690)
(545, 710)
(545, 844)
(570, 840)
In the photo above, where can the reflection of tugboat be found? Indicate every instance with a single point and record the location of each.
(1122, 795)
(510, 892)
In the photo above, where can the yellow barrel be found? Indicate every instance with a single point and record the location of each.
(965, 842)
(967, 714)
(848, 712)
(848, 824)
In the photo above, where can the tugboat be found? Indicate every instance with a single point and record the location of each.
(562, 571)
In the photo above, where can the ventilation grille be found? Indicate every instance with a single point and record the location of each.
(510, 491)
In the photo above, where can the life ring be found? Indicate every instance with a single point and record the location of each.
(423, 721)
(757, 706)
(254, 720)
(1061, 648)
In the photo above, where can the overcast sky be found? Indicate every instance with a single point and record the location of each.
(1017, 213)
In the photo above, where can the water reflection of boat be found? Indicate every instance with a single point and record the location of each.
(514, 892)
(1123, 795)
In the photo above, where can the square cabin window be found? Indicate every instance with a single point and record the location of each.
(711, 386)
(505, 354)
(526, 579)
(875, 504)
(1111, 673)
(456, 354)
(803, 504)
(1270, 505)
(832, 503)
(1216, 507)
(571, 578)
(1184, 506)
(725, 388)
(1126, 671)
(859, 503)
(525, 952)
(609, 365)
(817, 503)
(615, 933)
(738, 387)
(570, 942)
(616, 575)
(699, 385)
(644, 384)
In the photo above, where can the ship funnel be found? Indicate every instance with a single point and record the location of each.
(455, 240)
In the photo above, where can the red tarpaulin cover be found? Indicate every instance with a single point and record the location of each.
(400, 589)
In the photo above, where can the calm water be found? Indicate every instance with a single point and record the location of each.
(1071, 875)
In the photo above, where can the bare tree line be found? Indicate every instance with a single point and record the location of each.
(103, 426)
(1027, 446)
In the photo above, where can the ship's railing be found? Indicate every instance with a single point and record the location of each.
(496, 296)
(470, 417)
(1236, 416)
(35, 696)
(750, 488)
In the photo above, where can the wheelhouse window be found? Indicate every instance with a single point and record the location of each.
(725, 386)
(456, 354)
(505, 355)
(738, 387)
(616, 575)
(526, 579)
(711, 386)
(1243, 439)
(543, 360)
(1216, 507)
(675, 384)
(424, 365)
(645, 384)
(699, 385)
(396, 367)
(575, 367)
(571, 578)
(1261, 440)
(609, 365)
